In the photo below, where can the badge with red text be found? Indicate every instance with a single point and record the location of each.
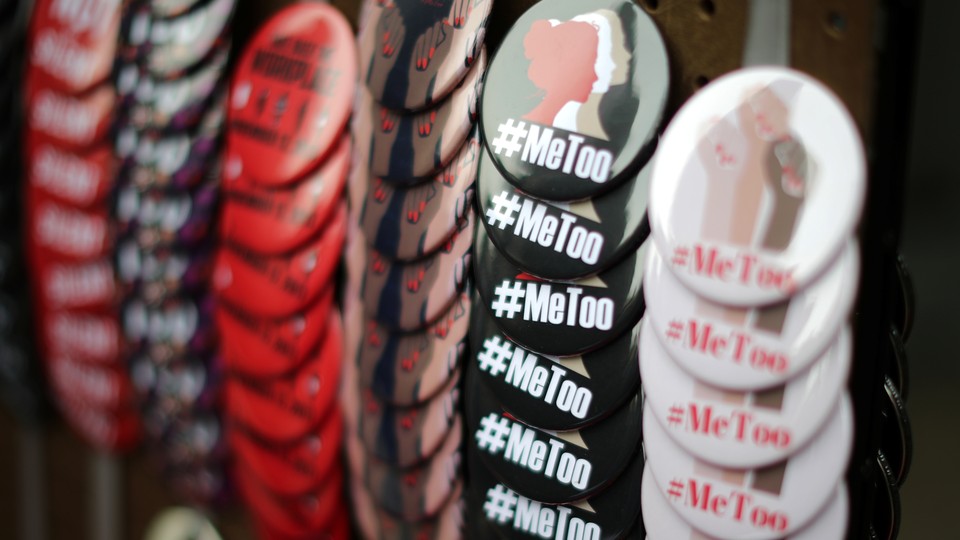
(746, 349)
(80, 179)
(553, 467)
(550, 392)
(291, 94)
(662, 521)
(406, 436)
(417, 52)
(556, 240)
(404, 146)
(411, 222)
(410, 296)
(296, 469)
(77, 285)
(754, 504)
(286, 408)
(743, 429)
(279, 286)
(423, 491)
(71, 121)
(575, 96)
(758, 185)
(608, 515)
(559, 318)
(406, 369)
(277, 220)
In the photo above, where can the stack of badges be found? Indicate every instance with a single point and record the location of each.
(171, 85)
(748, 427)
(19, 377)
(570, 116)
(70, 104)
(409, 261)
(283, 227)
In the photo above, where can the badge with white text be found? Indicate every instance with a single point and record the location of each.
(747, 349)
(413, 53)
(757, 186)
(80, 179)
(575, 96)
(556, 240)
(550, 392)
(559, 318)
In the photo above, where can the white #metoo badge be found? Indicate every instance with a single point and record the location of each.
(758, 182)
(737, 429)
(751, 504)
(748, 349)
(663, 523)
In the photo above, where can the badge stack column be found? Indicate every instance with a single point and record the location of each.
(170, 79)
(570, 116)
(20, 383)
(748, 427)
(283, 228)
(70, 106)
(408, 261)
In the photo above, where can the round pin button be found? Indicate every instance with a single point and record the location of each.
(411, 222)
(176, 523)
(886, 514)
(157, 218)
(560, 318)
(69, 62)
(91, 114)
(743, 429)
(279, 286)
(183, 324)
(265, 347)
(757, 187)
(107, 430)
(290, 97)
(405, 146)
(548, 466)
(408, 436)
(770, 502)
(374, 522)
(896, 435)
(291, 517)
(749, 349)
(99, 386)
(420, 51)
(85, 285)
(404, 369)
(549, 392)
(663, 522)
(278, 220)
(411, 295)
(899, 367)
(904, 299)
(65, 233)
(90, 337)
(423, 491)
(608, 515)
(80, 179)
(176, 43)
(562, 240)
(156, 275)
(575, 97)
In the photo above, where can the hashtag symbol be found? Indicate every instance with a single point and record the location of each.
(675, 331)
(509, 137)
(504, 207)
(508, 299)
(676, 489)
(493, 358)
(676, 415)
(500, 504)
(680, 256)
(492, 435)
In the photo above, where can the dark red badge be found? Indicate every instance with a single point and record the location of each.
(80, 179)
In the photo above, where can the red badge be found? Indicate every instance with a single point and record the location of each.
(304, 517)
(292, 93)
(275, 221)
(102, 387)
(80, 179)
(63, 233)
(74, 121)
(72, 285)
(68, 63)
(284, 285)
(111, 431)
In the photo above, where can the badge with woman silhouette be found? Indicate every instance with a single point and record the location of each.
(759, 183)
(574, 98)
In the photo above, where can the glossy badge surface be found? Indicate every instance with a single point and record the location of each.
(413, 54)
(575, 97)
(291, 94)
(560, 318)
(757, 186)
(556, 240)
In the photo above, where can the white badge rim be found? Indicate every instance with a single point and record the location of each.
(807, 482)
(833, 142)
(663, 523)
(809, 333)
(808, 400)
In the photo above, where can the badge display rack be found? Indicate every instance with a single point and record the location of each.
(862, 49)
